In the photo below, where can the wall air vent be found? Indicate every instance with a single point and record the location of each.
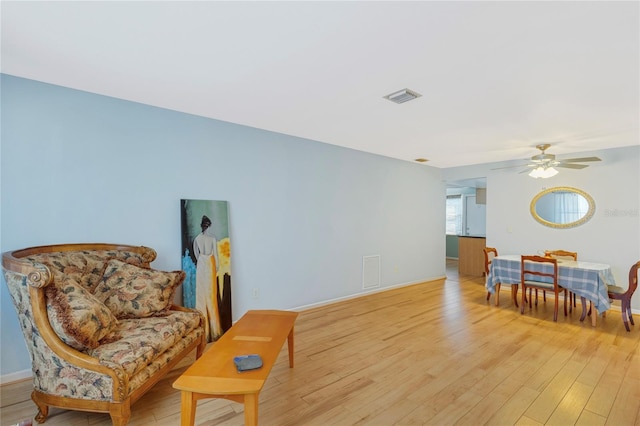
(370, 271)
(402, 96)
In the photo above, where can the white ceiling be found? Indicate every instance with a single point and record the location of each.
(496, 78)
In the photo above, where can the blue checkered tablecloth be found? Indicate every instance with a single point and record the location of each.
(585, 279)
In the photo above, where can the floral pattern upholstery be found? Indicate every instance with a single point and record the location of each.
(141, 340)
(135, 349)
(52, 374)
(87, 266)
(134, 292)
(77, 317)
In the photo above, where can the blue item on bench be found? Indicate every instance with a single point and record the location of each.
(247, 362)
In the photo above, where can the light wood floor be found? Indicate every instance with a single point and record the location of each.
(435, 353)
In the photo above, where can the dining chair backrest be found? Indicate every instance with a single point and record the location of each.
(561, 254)
(633, 278)
(489, 254)
(530, 274)
(533, 275)
(624, 296)
(564, 255)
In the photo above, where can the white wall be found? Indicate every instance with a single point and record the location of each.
(78, 167)
(611, 236)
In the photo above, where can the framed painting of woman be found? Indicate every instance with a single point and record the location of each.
(206, 260)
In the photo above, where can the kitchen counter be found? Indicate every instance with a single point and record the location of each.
(471, 255)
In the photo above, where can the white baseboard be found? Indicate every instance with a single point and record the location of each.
(364, 293)
(15, 377)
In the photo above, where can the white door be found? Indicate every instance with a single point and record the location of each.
(475, 217)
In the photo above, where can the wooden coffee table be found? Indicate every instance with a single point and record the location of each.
(214, 374)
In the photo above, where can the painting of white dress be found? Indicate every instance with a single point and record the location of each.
(206, 260)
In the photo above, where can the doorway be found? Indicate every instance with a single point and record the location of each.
(466, 211)
(475, 217)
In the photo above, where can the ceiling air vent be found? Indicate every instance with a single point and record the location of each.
(402, 96)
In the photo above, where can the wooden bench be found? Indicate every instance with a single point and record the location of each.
(214, 374)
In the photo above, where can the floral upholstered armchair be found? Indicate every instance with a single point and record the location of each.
(99, 324)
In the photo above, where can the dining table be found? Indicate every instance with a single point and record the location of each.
(585, 279)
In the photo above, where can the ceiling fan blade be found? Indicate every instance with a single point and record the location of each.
(580, 160)
(571, 165)
(544, 161)
(524, 171)
(513, 167)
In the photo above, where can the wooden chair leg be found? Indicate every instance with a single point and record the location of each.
(629, 315)
(570, 301)
(565, 302)
(625, 313)
(497, 294)
(583, 301)
(120, 413)
(43, 409)
(514, 294)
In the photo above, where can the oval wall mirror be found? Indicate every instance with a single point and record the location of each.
(562, 207)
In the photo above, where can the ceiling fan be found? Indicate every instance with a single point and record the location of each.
(542, 165)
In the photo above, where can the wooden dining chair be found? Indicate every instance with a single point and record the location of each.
(624, 295)
(567, 255)
(489, 254)
(531, 277)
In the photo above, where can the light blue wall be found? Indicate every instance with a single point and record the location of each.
(79, 167)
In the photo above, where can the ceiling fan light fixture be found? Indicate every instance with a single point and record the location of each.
(543, 172)
(543, 165)
(402, 96)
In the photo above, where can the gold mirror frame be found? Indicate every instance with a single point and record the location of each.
(585, 218)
